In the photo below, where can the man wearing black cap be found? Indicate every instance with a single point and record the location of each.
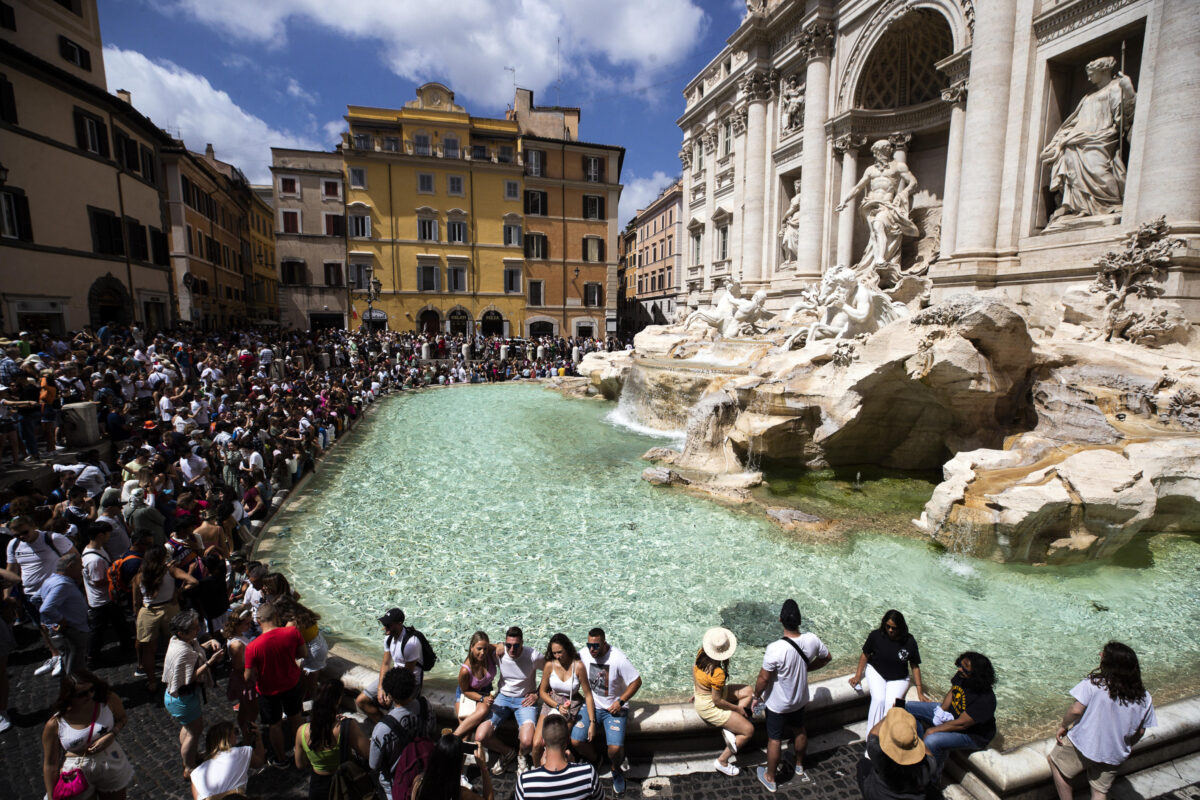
(400, 649)
(785, 669)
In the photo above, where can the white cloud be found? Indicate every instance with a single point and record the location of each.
(295, 90)
(188, 105)
(629, 40)
(333, 131)
(640, 192)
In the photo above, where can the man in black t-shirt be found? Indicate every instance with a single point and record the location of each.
(966, 717)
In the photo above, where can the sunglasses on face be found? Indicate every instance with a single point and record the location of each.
(593, 646)
(511, 645)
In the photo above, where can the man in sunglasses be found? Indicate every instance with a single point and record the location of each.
(614, 682)
(34, 555)
(517, 673)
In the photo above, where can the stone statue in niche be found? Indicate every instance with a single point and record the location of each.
(733, 315)
(847, 307)
(791, 104)
(885, 208)
(789, 227)
(1085, 153)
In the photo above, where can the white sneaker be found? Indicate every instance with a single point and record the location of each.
(464, 783)
(730, 740)
(58, 666)
(522, 764)
(727, 769)
(5, 723)
(47, 665)
(503, 761)
(625, 764)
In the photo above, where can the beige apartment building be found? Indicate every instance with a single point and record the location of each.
(262, 303)
(82, 229)
(310, 238)
(656, 278)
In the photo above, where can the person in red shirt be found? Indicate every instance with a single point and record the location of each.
(271, 665)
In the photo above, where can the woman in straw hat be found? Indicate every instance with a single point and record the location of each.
(718, 702)
(896, 766)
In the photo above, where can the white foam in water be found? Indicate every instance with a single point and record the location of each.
(706, 356)
(620, 417)
(959, 567)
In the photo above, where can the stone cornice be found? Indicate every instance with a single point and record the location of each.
(956, 67)
(882, 124)
(1072, 15)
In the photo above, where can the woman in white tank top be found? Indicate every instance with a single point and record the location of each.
(82, 735)
(564, 691)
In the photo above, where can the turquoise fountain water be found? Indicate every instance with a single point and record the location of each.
(489, 506)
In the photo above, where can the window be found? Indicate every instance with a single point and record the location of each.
(450, 147)
(427, 230)
(512, 235)
(722, 243)
(667, 249)
(479, 152)
(506, 154)
(335, 225)
(360, 226)
(456, 279)
(427, 278)
(358, 177)
(668, 283)
(593, 206)
(8, 102)
(456, 232)
(593, 169)
(536, 203)
(535, 163)
(191, 247)
(391, 144)
(159, 253)
(292, 272)
(454, 185)
(75, 54)
(332, 189)
(639, 284)
(107, 238)
(535, 293)
(421, 144)
(697, 251)
(726, 138)
(127, 151)
(362, 141)
(591, 294)
(149, 168)
(536, 246)
(512, 190)
(512, 279)
(333, 273)
(135, 235)
(360, 275)
(593, 248)
(8, 17)
(91, 134)
(291, 221)
(14, 217)
(288, 186)
(425, 183)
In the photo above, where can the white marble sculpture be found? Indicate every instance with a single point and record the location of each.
(789, 228)
(792, 104)
(1085, 153)
(885, 208)
(732, 315)
(847, 307)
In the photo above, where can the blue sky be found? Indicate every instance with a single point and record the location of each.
(248, 74)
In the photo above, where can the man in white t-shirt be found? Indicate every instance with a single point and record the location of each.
(34, 555)
(227, 769)
(401, 648)
(517, 675)
(103, 611)
(1111, 712)
(786, 665)
(614, 682)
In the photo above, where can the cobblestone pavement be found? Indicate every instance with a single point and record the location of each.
(152, 741)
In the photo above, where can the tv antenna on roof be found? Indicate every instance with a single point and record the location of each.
(513, 70)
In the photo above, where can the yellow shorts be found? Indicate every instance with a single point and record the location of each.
(709, 712)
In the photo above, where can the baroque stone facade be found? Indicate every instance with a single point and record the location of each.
(1024, 172)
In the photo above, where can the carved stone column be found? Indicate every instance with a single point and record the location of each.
(847, 144)
(816, 41)
(900, 143)
(985, 126)
(757, 89)
(956, 95)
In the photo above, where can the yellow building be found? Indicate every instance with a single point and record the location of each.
(263, 291)
(434, 202)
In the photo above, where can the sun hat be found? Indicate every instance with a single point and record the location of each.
(898, 738)
(719, 644)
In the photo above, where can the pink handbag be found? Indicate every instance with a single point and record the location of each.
(72, 782)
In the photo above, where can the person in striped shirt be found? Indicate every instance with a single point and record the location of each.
(558, 778)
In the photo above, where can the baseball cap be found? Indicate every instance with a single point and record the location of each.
(394, 616)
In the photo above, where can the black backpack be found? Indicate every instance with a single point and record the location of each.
(428, 657)
(351, 781)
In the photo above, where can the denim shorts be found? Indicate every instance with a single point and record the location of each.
(505, 707)
(612, 725)
(185, 708)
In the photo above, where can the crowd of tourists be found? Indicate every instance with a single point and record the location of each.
(148, 550)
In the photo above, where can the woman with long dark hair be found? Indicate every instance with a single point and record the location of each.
(318, 741)
(1111, 712)
(966, 717)
(82, 735)
(564, 691)
(155, 601)
(886, 656)
(442, 779)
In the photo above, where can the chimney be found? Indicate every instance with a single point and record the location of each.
(124, 95)
(209, 153)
